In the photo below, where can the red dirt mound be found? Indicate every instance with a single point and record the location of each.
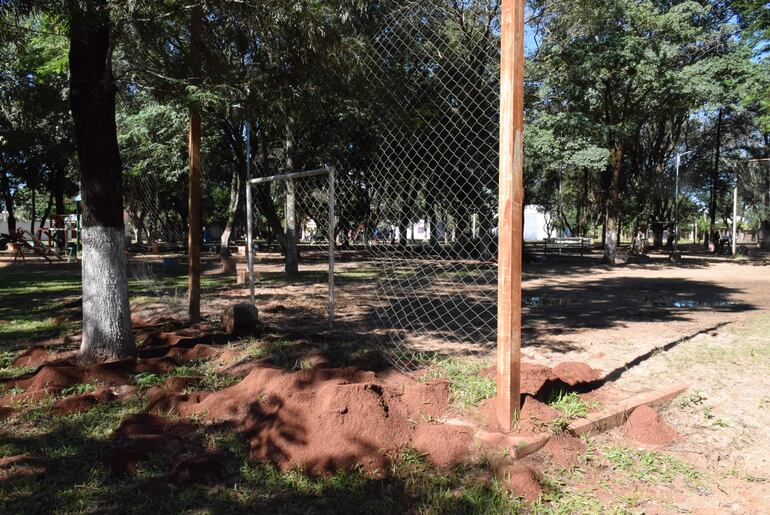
(535, 377)
(197, 353)
(521, 481)
(445, 445)
(179, 384)
(54, 377)
(575, 373)
(21, 466)
(565, 450)
(142, 424)
(645, 426)
(6, 412)
(82, 403)
(320, 419)
(536, 416)
(197, 469)
(182, 338)
(125, 461)
(32, 357)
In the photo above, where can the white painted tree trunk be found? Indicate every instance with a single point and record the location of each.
(106, 312)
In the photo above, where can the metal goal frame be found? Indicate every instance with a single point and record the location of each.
(285, 178)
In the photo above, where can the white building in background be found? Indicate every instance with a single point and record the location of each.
(536, 221)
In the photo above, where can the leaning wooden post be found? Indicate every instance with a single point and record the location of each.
(511, 209)
(194, 205)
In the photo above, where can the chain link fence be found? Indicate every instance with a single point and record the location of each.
(433, 184)
(293, 212)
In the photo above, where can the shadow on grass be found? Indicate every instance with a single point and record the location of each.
(75, 449)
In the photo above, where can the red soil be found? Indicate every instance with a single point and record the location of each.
(645, 426)
(197, 469)
(575, 373)
(535, 416)
(522, 481)
(565, 450)
(535, 377)
(444, 445)
(19, 467)
(32, 357)
(179, 384)
(82, 403)
(143, 424)
(199, 352)
(321, 419)
(6, 412)
(125, 461)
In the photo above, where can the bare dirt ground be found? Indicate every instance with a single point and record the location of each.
(704, 322)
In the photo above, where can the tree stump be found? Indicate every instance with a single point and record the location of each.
(241, 320)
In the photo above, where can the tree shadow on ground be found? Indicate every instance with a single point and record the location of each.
(119, 459)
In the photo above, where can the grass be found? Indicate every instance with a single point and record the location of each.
(649, 466)
(75, 447)
(78, 389)
(468, 386)
(745, 346)
(7, 369)
(570, 407)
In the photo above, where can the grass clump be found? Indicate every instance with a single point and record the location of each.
(78, 389)
(571, 406)
(649, 466)
(469, 387)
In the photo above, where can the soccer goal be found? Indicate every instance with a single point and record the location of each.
(291, 232)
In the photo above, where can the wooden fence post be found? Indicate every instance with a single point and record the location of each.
(511, 209)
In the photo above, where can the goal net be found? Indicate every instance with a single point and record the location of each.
(292, 215)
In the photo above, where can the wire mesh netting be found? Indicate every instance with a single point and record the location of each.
(302, 298)
(417, 217)
(753, 181)
(433, 184)
(157, 252)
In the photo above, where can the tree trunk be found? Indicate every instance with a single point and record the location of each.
(715, 182)
(292, 257)
(5, 187)
(61, 235)
(670, 238)
(612, 229)
(106, 313)
(264, 200)
(763, 236)
(33, 213)
(232, 210)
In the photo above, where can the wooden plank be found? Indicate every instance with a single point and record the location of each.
(517, 447)
(511, 205)
(617, 416)
(194, 200)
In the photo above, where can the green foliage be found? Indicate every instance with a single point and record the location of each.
(469, 387)
(571, 405)
(148, 380)
(78, 389)
(649, 466)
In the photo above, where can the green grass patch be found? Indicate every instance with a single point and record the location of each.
(571, 406)
(78, 389)
(649, 466)
(469, 387)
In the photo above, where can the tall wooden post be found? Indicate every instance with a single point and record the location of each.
(511, 213)
(194, 205)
